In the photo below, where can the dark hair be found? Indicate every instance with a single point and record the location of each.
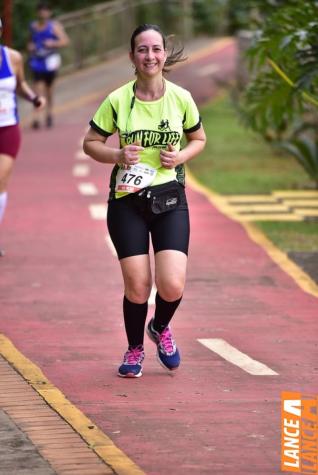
(175, 54)
(43, 6)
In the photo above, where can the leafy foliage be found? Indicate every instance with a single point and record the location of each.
(281, 99)
(306, 153)
(209, 16)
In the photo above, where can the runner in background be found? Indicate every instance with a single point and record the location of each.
(47, 36)
(147, 195)
(11, 80)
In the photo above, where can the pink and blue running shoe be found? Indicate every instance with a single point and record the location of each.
(131, 366)
(167, 351)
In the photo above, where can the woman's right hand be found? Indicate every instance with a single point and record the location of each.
(129, 155)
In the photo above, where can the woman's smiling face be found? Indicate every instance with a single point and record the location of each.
(149, 54)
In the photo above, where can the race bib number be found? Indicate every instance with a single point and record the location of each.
(135, 178)
(53, 62)
(6, 102)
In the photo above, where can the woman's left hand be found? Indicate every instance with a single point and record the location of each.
(39, 103)
(169, 157)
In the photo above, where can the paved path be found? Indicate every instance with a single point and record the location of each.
(61, 307)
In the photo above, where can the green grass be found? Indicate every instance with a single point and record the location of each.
(292, 236)
(237, 161)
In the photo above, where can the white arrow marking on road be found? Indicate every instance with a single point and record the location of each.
(236, 357)
(87, 189)
(98, 211)
(81, 170)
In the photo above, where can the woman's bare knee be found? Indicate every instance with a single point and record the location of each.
(137, 278)
(170, 290)
(137, 292)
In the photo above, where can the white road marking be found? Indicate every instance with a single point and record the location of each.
(208, 69)
(81, 170)
(80, 155)
(98, 211)
(152, 296)
(236, 357)
(110, 245)
(87, 189)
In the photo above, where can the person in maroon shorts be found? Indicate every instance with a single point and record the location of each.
(11, 79)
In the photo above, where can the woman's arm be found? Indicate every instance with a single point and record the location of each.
(22, 86)
(171, 158)
(62, 38)
(95, 146)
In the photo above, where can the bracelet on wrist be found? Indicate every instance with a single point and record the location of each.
(36, 101)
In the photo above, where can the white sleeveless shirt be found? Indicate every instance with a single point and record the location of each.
(8, 84)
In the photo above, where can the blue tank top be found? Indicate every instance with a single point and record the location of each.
(37, 60)
(8, 84)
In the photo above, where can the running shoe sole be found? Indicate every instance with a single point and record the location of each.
(130, 375)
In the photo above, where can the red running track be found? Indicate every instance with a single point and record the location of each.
(61, 297)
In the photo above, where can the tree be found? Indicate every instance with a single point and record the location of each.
(281, 100)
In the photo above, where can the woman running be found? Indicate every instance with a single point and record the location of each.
(11, 79)
(147, 195)
(47, 36)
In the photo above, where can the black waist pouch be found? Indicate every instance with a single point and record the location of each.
(163, 198)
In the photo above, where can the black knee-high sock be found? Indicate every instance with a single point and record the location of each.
(164, 312)
(135, 315)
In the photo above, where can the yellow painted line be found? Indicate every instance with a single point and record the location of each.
(299, 203)
(249, 217)
(232, 199)
(215, 47)
(94, 437)
(306, 212)
(296, 194)
(95, 68)
(278, 256)
(251, 207)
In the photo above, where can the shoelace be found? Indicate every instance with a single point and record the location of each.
(134, 355)
(166, 341)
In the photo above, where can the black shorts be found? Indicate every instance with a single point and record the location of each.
(47, 77)
(130, 225)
